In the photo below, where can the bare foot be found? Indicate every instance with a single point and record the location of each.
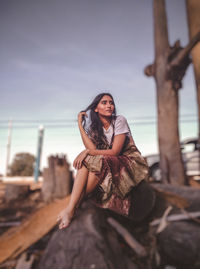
(65, 218)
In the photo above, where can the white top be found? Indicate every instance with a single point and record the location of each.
(120, 127)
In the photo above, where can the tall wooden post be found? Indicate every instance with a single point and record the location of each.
(57, 178)
(168, 70)
(193, 13)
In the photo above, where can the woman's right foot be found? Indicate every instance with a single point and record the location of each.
(65, 217)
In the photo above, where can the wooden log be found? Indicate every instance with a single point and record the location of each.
(179, 197)
(179, 244)
(15, 240)
(89, 242)
(143, 200)
(183, 196)
(175, 238)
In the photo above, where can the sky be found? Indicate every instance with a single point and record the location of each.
(56, 56)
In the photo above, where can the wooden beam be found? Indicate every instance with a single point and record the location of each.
(17, 239)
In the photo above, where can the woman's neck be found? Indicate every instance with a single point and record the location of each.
(105, 121)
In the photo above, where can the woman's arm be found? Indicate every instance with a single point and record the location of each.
(116, 148)
(86, 140)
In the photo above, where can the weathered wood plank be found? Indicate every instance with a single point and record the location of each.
(17, 239)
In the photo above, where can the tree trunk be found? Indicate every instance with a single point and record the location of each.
(193, 13)
(168, 134)
(168, 70)
(167, 104)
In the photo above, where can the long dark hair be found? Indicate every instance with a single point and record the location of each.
(95, 130)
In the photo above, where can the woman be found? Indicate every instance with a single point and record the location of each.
(110, 166)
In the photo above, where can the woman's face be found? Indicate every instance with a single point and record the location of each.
(105, 107)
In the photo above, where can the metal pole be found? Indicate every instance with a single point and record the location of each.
(39, 152)
(8, 146)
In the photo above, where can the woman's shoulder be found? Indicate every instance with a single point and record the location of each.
(120, 118)
(120, 121)
(121, 125)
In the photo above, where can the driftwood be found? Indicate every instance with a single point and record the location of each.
(89, 242)
(17, 239)
(178, 196)
(179, 244)
(176, 240)
(163, 221)
(131, 241)
(178, 217)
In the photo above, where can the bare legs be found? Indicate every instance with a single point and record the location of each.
(84, 183)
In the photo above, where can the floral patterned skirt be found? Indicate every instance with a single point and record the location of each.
(117, 176)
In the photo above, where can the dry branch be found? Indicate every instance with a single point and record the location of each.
(177, 217)
(163, 222)
(185, 51)
(130, 240)
(11, 223)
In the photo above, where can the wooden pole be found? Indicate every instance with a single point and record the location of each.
(39, 152)
(8, 146)
(168, 69)
(193, 15)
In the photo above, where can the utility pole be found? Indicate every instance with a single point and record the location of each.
(39, 152)
(8, 146)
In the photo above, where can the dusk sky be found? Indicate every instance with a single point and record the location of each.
(56, 56)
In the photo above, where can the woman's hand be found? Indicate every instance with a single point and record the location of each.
(80, 117)
(79, 159)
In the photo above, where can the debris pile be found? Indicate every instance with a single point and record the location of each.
(163, 229)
